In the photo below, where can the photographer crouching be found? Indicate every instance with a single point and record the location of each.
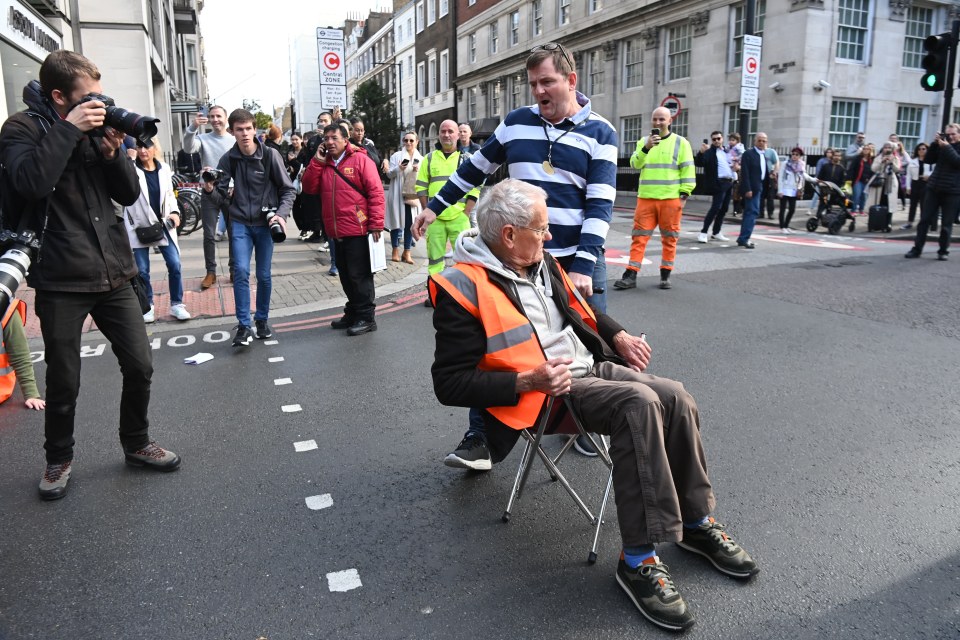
(63, 167)
(258, 204)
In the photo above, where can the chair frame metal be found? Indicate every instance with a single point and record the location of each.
(534, 445)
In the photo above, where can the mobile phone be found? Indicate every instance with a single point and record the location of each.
(705, 141)
(654, 132)
(205, 111)
(404, 163)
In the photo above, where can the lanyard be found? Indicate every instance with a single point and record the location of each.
(548, 163)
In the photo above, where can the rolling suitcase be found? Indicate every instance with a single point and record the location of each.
(879, 217)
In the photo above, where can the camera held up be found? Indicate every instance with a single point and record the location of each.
(211, 175)
(19, 249)
(273, 222)
(143, 128)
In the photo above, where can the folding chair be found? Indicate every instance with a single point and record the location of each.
(561, 419)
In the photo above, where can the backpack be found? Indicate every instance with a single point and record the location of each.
(12, 204)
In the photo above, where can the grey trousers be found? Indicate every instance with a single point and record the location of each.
(209, 214)
(659, 470)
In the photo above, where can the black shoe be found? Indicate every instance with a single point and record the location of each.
(628, 281)
(913, 253)
(584, 447)
(651, 588)
(343, 323)
(710, 541)
(933, 227)
(53, 484)
(471, 453)
(941, 255)
(361, 327)
(747, 245)
(263, 330)
(244, 336)
(427, 303)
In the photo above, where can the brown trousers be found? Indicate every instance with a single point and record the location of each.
(659, 470)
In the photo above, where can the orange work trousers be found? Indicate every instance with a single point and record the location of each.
(649, 215)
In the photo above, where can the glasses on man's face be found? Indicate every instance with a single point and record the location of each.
(717, 139)
(553, 46)
(540, 232)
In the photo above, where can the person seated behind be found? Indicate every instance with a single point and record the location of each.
(512, 329)
(830, 172)
(15, 363)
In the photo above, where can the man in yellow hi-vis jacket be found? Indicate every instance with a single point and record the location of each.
(667, 176)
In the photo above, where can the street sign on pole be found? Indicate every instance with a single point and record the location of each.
(748, 98)
(750, 72)
(333, 75)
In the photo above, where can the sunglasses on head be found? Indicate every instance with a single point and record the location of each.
(553, 46)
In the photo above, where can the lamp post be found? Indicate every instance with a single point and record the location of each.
(399, 67)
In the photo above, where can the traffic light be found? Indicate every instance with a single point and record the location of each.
(935, 62)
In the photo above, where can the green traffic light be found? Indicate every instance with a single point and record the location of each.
(931, 81)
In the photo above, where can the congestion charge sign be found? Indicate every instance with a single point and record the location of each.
(330, 53)
(331, 61)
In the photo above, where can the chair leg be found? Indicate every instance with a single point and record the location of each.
(525, 460)
(592, 557)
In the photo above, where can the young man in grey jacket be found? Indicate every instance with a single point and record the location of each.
(211, 147)
(261, 195)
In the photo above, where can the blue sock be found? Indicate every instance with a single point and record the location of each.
(697, 523)
(634, 556)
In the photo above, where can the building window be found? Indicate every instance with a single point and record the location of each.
(595, 86)
(432, 136)
(564, 11)
(739, 21)
(514, 28)
(631, 132)
(679, 42)
(431, 12)
(495, 89)
(494, 37)
(419, 17)
(910, 121)
(679, 124)
(193, 77)
(444, 7)
(733, 123)
(409, 27)
(432, 74)
(421, 80)
(472, 46)
(409, 66)
(470, 3)
(595, 5)
(852, 30)
(516, 99)
(536, 11)
(472, 103)
(632, 63)
(919, 26)
(444, 70)
(846, 118)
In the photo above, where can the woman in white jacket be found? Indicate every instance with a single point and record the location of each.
(916, 185)
(790, 187)
(402, 203)
(156, 202)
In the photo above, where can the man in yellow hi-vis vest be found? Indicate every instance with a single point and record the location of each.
(436, 167)
(667, 176)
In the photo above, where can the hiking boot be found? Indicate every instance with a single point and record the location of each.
(153, 456)
(208, 281)
(665, 279)
(628, 281)
(53, 484)
(263, 329)
(471, 453)
(651, 588)
(244, 336)
(710, 541)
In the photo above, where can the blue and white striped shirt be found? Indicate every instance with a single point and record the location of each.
(580, 192)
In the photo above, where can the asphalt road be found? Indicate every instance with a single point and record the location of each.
(825, 378)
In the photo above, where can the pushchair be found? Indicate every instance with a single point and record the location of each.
(834, 209)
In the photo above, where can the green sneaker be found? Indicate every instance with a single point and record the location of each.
(710, 541)
(651, 588)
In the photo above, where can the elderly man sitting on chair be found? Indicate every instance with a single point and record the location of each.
(511, 330)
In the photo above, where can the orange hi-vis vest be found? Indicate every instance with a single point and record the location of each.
(512, 343)
(8, 377)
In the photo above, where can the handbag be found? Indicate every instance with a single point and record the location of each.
(140, 289)
(151, 234)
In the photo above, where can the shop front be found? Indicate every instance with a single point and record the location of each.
(25, 40)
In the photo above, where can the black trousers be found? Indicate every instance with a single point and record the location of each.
(933, 202)
(117, 314)
(788, 204)
(917, 190)
(718, 207)
(353, 262)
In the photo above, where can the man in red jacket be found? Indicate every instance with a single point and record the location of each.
(351, 197)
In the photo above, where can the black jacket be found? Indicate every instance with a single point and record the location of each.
(84, 245)
(708, 160)
(946, 167)
(462, 343)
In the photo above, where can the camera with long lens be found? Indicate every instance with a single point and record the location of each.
(211, 175)
(18, 251)
(143, 128)
(273, 222)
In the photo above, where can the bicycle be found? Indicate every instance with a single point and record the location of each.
(186, 188)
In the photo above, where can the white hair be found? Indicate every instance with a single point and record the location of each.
(508, 202)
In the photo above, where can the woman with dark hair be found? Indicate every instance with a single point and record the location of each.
(792, 177)
(918, 172)
(861, 172)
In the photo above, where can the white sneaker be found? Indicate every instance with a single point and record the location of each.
(702, 238)
(324, 247)
(179, 311)
(148, 317)
(785, 231)
(720, 237)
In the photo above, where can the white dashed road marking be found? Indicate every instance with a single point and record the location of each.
(291, 408)
(271, 342)
(277, 359)
(319, 502)
(282, 381)
(305, 445)
(344, 580)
